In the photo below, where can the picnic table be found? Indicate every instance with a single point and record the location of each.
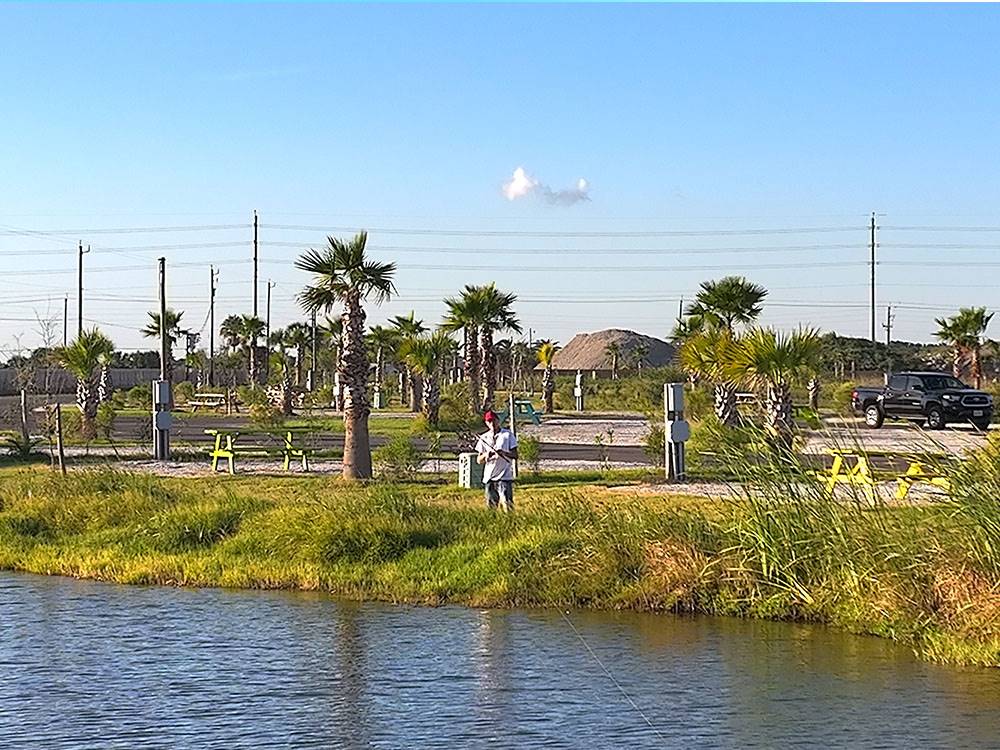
(523, 410)
(210, 401)
(227, 446)
(855, 466)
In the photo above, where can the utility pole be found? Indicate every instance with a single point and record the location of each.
(680, 311)
(888, 325)
(212, 276)
(65, 317)
(79, 288)
(161, 388)
(267, 315)
(873, 276)
(255, 264)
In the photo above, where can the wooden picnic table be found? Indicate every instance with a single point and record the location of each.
(855, 466)
(226, 446)
(211, 401)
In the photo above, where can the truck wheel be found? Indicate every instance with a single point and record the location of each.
(935, 418)
(873, 416)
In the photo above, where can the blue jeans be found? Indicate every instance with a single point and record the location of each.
(500, 493)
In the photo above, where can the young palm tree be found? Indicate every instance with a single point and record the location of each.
(771, 362)
(641, 352)
(498, 316)
(408, 328)
(383, 341)
(964, 333)
(173, 330)
(726, 303)
(230, 332)
(613, 350)
(298, 336)
(427, 356)
(467, 313)
(82, 358)
(708, 355)
(248, 329)
(546, 356)
(343, 275)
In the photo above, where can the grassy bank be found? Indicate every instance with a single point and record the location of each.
(924, 576)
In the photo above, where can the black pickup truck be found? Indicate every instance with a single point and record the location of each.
(934, 398)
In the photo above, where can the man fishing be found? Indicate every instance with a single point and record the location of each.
(496, 449)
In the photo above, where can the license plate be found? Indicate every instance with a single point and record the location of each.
(977, 413)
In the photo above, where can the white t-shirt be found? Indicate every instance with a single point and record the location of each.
(498, 468)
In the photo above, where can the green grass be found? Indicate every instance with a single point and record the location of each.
(925, 576)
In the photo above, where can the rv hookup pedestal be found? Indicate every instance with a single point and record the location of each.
(676, 431)
(162, 420)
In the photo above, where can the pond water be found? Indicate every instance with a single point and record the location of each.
(85, 665)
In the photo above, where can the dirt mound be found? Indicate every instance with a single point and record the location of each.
(589, 351)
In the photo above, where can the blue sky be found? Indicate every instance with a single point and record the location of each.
(683, 118)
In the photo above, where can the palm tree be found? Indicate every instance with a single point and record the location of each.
(771, 362)
(467, 313)
(546, 355)
(497, 317)
(246, 330)
(298, 336)
(82, 358)
(331, 333)
(408, 328)
(173, 326)
(964, 333)
(614, 351)
(426, 356)
(708, 355)
(641, 352)
(230, 331)
(725, 303)
(105, 388)
(381, 340)
(342, 274)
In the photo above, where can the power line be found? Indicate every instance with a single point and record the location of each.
(534, 233)
(121, 230)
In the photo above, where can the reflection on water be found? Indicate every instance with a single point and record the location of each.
(85, 664)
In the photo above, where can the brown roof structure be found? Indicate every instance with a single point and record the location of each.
(588, 351)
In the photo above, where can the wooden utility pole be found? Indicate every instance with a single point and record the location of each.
(255, 264)
(79, 288)
(267, 316)
(212, 275)
(312, 360)
(65, 318)
(873, 276)
(888, 325)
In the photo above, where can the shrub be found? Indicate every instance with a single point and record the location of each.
(842, 397)
(140, 396)
(266, 416)
(654, 445)
(106, 415)
(529, 450)
(183, 392)
(397, 460)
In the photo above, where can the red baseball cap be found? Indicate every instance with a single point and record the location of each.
(490, 416)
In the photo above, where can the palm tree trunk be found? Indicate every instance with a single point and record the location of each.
(379, 374)
(300, 355)
(814, 387)
(353, 363)
(488, 367)
(87, 404)
(416, 391)
(431, 399)
(104, 387)
(725, 405)
(977, 366)
(472, 365)
(548, 389)
(779, 411)
(956, 362)
(286, 390)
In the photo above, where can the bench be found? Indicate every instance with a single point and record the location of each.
(855, 467)
(523, 410)
(227, 446)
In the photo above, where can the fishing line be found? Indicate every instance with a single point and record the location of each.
(611, 676)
